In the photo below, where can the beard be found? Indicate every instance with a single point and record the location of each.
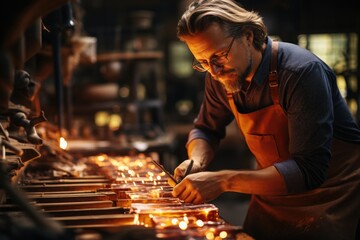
(235, 81)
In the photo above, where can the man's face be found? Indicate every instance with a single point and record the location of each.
(213, 44)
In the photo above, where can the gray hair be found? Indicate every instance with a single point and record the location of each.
(232, 17)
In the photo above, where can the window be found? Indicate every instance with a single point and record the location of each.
(339, 51)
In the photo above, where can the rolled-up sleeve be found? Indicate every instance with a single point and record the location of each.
(292, 174)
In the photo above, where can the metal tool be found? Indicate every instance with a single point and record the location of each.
(188, 169)
(165, 171)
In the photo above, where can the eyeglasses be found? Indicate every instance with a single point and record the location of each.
(217, 60)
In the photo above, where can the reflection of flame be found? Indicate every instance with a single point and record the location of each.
(63, 143)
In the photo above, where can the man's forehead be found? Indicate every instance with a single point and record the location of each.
(211, 37)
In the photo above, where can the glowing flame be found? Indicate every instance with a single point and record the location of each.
(136, 219)
(209, 235)
(223, 234)
(101, 158)
(186, 219)
(63, 143)
(174, 221)
(199, 223)
(183, 225)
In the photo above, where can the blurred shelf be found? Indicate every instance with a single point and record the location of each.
(115, 105)
(117, 56)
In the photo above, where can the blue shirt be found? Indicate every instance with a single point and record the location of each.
(310, 97)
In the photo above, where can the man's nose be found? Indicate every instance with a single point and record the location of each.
(215, 70)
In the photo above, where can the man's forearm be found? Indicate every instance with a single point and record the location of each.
(266, 181)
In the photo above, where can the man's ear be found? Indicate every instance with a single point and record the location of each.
(249, 35)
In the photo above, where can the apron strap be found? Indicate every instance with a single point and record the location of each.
(273, 81)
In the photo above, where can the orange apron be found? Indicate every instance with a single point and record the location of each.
(331, 211)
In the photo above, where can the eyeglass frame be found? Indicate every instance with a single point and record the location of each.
(198, 66)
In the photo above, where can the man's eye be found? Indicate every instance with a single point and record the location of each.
(219, 60)
(204, 63)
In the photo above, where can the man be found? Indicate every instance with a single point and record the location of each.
(295, 122)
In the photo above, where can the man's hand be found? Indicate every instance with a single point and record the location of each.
(181, 170)
(199, 187)
(185, 168)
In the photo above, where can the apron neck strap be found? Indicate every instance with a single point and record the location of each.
(273, 80)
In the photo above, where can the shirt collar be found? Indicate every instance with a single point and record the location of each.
(263, 70)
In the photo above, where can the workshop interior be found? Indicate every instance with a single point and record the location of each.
(96, 101)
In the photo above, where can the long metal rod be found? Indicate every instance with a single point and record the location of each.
(56, 44)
